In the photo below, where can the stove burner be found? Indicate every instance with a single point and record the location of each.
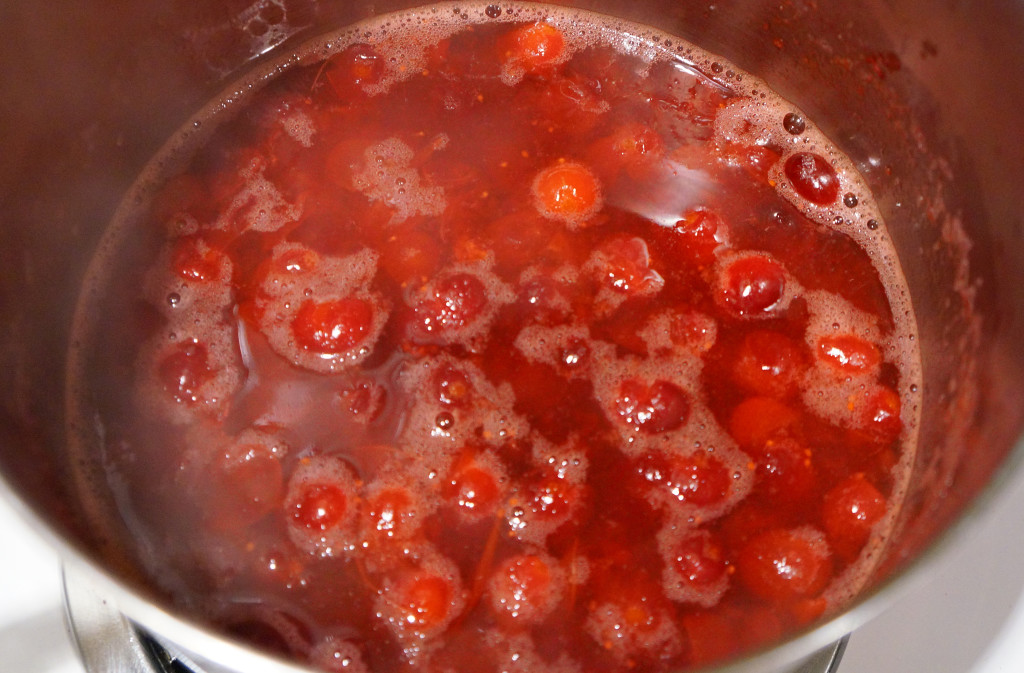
(108, 641)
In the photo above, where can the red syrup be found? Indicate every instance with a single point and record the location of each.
(499, 340)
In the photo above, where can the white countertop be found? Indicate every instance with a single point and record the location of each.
(968, 618)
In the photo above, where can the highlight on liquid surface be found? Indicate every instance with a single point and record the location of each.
(499, 337)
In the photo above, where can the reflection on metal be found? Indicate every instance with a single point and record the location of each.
(108, 642)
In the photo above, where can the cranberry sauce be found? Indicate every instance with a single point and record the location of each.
(510, 337)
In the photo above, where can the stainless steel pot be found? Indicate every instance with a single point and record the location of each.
(925, 96)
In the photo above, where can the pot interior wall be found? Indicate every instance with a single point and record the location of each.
(924, 96)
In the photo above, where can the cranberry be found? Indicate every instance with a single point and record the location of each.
(849, 354)
(457, 300)
(419, 604)
(452, 387)
(332, 327)
(319, 507)
(813, 178)
(389, 513)
(698, 479)
(243, 483)
(524, 589)
(755, 420)
(785, 565)
(697, 560)
(353, 68)
(568, 192)
(473, 487)
(659, 407)
(195, 260)
(850, 510)
(879, 415)
(625, 266)
(411, 256)
(533, 46)
(785, 473)
(185, 370)
(769, 363)
(699, 233)
(751, 285)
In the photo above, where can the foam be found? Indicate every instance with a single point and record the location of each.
(387, 175)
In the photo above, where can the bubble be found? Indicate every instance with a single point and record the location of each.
(850, 200)
(173, 299)
(794, 123)
(493, 11)
(873, 225)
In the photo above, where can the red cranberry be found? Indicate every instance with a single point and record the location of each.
(697, 560)
(659, 407)
(849, 354)
(850, 510)
(751, 285)
(456, 301)
(353, 68)
(785, 473)
(785, 565)
(755, 420)
(524, 589)
(625, 266)
(185, 370)
(813, 178)
(332, 327)
(319, 507)
(769, 363)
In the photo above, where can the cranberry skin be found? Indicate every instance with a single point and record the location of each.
(813, 178)
(332, 327)
(697, 560)
(849, 354)
(524, 589)
(785, 566)
(659, 407)
(457, 301)
(769, 363)
(751, 285)
(850, 510)
(755, 420)
(320, 507)
(185, 370)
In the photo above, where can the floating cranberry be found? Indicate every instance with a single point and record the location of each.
(525, 588)
(354, 68)
(699, 233)
(568, 192)
(243, 483)
(696, 561)
(456, 301)
(850, 511)
(390, 513)
(411, 256)
(879, 414)
(751, 285)
(785, 565)
(533, 46)
(195, 260)
(785, 473)
(755, 420)
(332, 327)
(473, 487)
(624, 265)
(185, 370)
(322, 505)
(698, 479)
(452, 387)
(769, 363)
(659, 407)
(420, 603)
(813, 178)
(849, 354)
(319, 507)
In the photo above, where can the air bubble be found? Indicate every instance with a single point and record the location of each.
(794, 123)
(872, 224)
(173, 299)
(444, 420)
(850, 200)
(493, 11)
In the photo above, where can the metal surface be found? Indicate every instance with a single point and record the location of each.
(109, 642)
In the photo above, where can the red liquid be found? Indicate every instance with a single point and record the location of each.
(511, 340)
